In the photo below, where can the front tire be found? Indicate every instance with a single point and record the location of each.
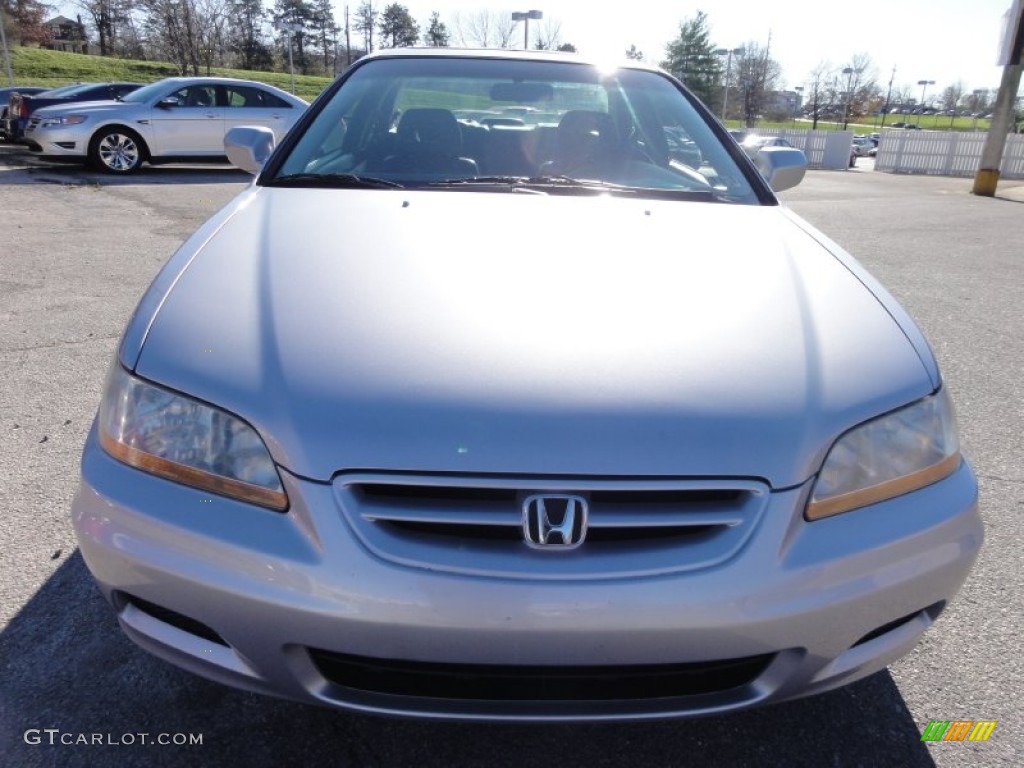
(117, 150)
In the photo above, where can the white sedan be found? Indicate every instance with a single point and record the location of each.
(172, 120)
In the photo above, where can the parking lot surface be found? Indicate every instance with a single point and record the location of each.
(77, 249)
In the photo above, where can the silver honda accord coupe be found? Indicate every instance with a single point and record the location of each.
(509, 391)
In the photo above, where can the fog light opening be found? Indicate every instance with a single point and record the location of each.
(167, 616)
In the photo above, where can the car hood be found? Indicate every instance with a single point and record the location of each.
(515, 333)
(82, 107)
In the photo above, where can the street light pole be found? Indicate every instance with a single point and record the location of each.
(848, 71)
(888, 95)
(525, 16)
(289, 28)
(728, 70)
(924, 85)
(800, 100)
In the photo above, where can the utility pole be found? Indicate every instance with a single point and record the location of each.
(7, 53)
(348, 43)
(987, 177)
(888, 95)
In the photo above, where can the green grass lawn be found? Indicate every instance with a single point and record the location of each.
(870, 125)
(35, 66)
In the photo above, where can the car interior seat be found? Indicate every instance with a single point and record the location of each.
(429, 141)
(586, 142)
(199, 97)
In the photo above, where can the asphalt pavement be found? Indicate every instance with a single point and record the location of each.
(78, 249)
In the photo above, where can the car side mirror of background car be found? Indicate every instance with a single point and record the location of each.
(782, 167)
(248, 147)
(168, 103)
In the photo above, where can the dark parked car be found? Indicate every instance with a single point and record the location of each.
(5, 95)
(20, 107)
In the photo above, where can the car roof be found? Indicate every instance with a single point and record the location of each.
(505, 53)
(228, 81)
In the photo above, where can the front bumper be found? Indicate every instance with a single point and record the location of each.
(294, 605)
(59, 141)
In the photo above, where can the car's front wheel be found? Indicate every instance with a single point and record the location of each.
(117, 150)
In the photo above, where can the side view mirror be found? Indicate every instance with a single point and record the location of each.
(169, 102)
(248, 147)
(782, 167)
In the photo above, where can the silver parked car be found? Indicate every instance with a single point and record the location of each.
(172, 120)
(521, 421)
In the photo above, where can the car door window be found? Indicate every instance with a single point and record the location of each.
(248, 96)
(196, 96)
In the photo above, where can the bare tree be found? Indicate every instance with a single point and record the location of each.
(483, 29)
(365, 22)
(903, 95)
(860, 84)
(108, 17)
(951, 95)
(548, 35)
(173, 26)
(212, 21)
(757, 74)
(817, 90)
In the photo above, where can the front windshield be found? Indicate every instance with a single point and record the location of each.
(148, 92)
(64, 90)
(436, 122)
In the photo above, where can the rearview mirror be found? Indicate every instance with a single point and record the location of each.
(248, 147)
(522, 93)
(782, 167)
(169, 102)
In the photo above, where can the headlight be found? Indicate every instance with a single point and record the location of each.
(173, 436)
(888, 456)
(65, 120)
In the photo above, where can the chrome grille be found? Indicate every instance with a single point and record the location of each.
(470, 524)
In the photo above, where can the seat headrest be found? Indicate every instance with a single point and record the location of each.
(436, 128)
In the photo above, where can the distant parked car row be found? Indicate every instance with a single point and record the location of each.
(116, 127)
(21, 104)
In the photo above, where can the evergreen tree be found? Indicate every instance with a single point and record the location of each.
(397, 27)
(691, 57)
(247, 40)
(326, 32)
(437, 35)
(297, 12)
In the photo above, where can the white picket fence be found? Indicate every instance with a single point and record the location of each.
(938, 153)
(824, 149)
(944, 153)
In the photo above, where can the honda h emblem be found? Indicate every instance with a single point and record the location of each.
(554, 521)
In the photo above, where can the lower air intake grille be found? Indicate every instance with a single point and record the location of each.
(484, 682)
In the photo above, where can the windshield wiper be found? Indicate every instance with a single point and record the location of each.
(332, 181)
(569, 185)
